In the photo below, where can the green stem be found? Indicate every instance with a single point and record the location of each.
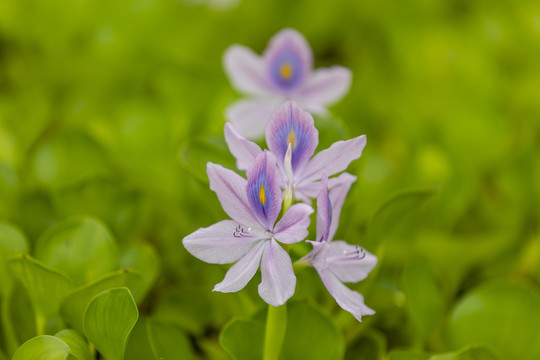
(9, 333)
(276, 326)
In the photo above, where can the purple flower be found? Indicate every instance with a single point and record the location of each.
(336, 261)
(284, 71)
(250, 238)
(292, 137)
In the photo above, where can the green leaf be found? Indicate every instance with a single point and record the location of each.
(74, 304)
(44, 347)
(138, 346)
(81, 247)
(167, 341)
(503, 314)
(306, 323)
(108, 320)
(196, 152)
(77, 344)
(67, 159)
(243, 339)
(395, 209)
(144, 259)
(407, 355)
(425, 301)
(45, 286)
(12, 241)
(471, 353)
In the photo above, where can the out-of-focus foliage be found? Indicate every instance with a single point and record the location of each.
(109, 111)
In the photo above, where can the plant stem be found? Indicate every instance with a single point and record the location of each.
(276, 326)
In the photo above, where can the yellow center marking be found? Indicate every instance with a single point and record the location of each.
(291, 139)
(262, 195)
(286, 71)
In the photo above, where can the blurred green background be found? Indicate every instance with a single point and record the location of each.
(112, 108)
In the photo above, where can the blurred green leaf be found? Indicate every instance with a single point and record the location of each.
(371, 346)
(143, 258)
(81, 247)
(396, 209)
(108, 320)
(44, 347)
(167, 341)
(425, 300)
(12, 241)
(407, 355)
(473, 353)
(74, 304)
(46, 287)
(78, 347)
(195, 153)
(243, 339)
(503, 314)
(67, 159)
(306, 323)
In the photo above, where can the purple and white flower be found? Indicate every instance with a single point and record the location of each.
(337, 262)
(251, 237)
(292, 137)
(284, 71)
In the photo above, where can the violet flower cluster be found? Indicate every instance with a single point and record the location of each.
(284, 179)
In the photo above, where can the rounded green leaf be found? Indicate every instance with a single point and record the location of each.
(143, 258)
(396, 208)
(108, 321)
(311, 335)
(502, 314)
(74, 304)
(81, 247)
(167, 341)
(243, 339)
(45, 287)
(12, 241)
(77, 344)
(425, 302)
(44, 347)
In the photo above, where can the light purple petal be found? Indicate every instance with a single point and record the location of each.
(349, 263)
(231, 191)
(309, 190)
(289, 124)
(278, 280)
(250, 116)
(221, 243)
(338, 193)
(293, 226)
(243, 150)
(246, 70)
(240, 273)
(288, 61)
(348, 299)
(264, 190)
(326, 86)
(334, 159)
(324, 211)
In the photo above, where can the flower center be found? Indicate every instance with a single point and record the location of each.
(291, 139)
(286, 71)
(262, 195)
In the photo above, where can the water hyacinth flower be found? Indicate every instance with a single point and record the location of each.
(284, 71)
(292, 137)
(337, 262)
(251, 237)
